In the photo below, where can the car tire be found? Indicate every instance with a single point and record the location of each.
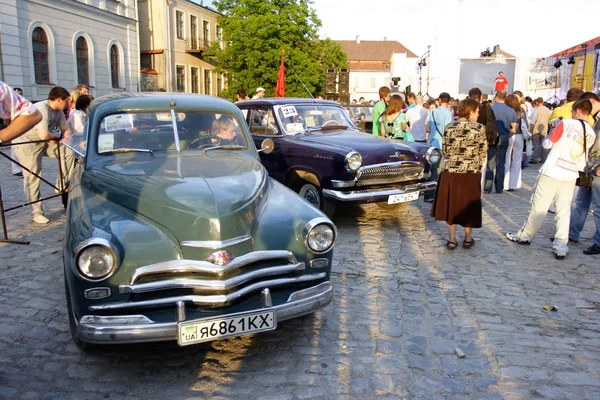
(314, 196)
(392, 207)
(85, 346)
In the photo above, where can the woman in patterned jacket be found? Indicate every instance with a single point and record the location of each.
(458, 197)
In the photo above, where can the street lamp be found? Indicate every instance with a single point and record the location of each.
(423, 63)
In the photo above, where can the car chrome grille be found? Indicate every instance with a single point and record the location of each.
(206, 284)
(380, 174)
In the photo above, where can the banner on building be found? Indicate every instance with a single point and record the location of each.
(542, 76)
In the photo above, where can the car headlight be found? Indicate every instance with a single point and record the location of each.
(96, 260)
(353, 161)
(433, 156)
(319, 235)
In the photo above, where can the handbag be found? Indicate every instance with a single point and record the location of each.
(585, 178)
(525, 129)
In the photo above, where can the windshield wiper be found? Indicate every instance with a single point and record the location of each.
(333, 127)
(131, 150)
(225, 146)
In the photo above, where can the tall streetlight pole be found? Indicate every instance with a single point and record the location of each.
(428, 69)
(423, 63)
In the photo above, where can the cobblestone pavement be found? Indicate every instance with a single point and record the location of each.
(403, 305)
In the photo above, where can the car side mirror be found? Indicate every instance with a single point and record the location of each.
(267, 146)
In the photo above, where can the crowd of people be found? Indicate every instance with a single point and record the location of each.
(486, 143)
(61, 115)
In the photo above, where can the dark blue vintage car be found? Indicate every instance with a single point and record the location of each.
(322, 155)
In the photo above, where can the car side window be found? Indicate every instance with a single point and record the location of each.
(262, 122)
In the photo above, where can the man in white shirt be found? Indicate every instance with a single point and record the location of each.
(557, 177)
(417, 120)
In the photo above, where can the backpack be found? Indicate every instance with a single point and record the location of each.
(488, 119)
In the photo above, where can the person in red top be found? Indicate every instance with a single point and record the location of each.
(501, 82)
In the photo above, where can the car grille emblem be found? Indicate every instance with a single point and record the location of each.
(220, 257)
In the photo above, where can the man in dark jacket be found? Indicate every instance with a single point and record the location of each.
(487, 119)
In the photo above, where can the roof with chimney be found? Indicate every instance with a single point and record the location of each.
(372, 55)
(497, 52)
(577, 50)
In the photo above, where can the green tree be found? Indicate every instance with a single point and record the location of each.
(256, 31)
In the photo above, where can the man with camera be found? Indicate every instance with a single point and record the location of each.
(568, 143)
(42, 140)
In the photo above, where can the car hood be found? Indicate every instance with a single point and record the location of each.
(201, 197)
(372, 149)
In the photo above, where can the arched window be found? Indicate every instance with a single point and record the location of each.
(114, 65)
(81, 47)
(39, 44)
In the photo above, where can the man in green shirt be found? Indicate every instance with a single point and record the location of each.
(379, 108)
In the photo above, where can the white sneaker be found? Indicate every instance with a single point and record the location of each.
(40, 219)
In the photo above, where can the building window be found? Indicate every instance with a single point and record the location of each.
(180, 84)
(206, 33)
(194, 32)
(372, 83)
(219, 80)
(219, 36)
(179, 24)
(195, 82)
(39, 43)
(81, 49)
(114, 65)
(207, 81)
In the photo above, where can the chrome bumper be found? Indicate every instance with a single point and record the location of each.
(380, 194)
(105, 331)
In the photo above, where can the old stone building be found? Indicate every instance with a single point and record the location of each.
(68, 42)
(174, 35)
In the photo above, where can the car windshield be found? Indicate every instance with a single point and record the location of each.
(169, 131)
(311, 117)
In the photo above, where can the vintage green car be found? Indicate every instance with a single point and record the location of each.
(175, 231)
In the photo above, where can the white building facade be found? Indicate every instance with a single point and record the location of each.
(47, 43)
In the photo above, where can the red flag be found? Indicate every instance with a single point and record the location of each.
(280, 88)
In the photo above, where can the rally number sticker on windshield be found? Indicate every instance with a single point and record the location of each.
(289, 111)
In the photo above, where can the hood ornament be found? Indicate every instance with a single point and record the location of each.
(220, 257)
(400, 155)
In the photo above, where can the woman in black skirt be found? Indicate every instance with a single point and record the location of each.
(458, 197)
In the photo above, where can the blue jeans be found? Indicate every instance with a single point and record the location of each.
(586, 198)
(435, 174)
(494, 174)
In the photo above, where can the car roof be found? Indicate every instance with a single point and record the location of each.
(272, 101)
(160, 101)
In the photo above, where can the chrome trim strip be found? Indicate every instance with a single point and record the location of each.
(208, 300)
(205, 285)
(369, 194)
(216, 244)
(182, 266)
(300, 303)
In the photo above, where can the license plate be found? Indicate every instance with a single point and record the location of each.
(204, 330)
(403, 198)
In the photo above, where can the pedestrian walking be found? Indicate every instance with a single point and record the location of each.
(458, 197)
(557, 177)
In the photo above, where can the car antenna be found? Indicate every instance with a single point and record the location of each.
(309, 93)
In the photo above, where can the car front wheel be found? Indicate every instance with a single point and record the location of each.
(313, 195)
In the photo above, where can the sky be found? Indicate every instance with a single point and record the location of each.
(463, 28)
